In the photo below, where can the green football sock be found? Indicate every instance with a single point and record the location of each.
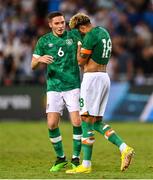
(77, 134)
(56, 139)
(88, 140)
(87, 151)
(108, 133)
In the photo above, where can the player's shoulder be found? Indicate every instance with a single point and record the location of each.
(101, 32)
(45, 37)
(100, 29)
(74, 32)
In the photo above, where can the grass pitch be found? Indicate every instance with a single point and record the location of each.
(26, 152)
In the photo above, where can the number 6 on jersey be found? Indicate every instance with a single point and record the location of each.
(60, 52)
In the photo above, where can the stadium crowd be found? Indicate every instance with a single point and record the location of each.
(130, 24)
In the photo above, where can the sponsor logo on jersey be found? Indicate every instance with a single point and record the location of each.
(69, 42)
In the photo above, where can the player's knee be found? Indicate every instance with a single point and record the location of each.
(88, 140)
(76, 122)
(53, 120)
(52, 124)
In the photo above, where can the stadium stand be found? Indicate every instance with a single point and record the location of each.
(129, 22)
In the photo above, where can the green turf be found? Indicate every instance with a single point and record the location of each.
(25, 152)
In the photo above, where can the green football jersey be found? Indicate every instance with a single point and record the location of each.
(98, 40)
(63, 74)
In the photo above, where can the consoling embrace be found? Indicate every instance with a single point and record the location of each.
(63, 52)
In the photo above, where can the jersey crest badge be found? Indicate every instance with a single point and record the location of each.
(69, 42)
(50, 45)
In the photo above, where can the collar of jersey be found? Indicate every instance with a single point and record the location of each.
(65, 32)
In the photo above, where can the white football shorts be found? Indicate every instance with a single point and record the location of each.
(95, 88)
(57, 100)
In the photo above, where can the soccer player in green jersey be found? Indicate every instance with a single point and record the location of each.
(57, 50)
(93, 56)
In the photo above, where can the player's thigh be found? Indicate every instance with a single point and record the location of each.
(71, 99)
(75, 118)
(104, 95)
(55, 102)
(85, 94)
(94, 94)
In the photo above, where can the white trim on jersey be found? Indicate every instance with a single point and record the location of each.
(36, 55)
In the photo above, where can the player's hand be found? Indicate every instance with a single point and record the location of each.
(46, 59)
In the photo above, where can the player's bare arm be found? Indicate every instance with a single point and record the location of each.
(46, 59)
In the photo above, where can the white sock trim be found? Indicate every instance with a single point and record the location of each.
(106, 126)
(56, 139)
(77, 137)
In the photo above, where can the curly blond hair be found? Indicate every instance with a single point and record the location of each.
(79, 19)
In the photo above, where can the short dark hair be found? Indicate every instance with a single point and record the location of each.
(51, 15)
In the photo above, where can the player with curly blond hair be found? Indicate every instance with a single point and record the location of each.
(93, 56)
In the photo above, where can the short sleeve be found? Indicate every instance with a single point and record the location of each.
(39, 48)
(88, 42)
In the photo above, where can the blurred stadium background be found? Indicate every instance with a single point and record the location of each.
(130, 23)
(25, 151)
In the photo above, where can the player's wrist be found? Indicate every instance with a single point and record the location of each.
(39, 60)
